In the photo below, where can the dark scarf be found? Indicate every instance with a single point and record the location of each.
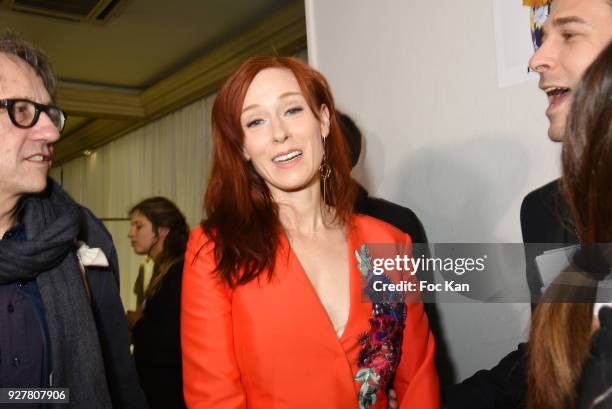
(53, 221)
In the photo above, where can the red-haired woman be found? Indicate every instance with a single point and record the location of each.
(272, 308)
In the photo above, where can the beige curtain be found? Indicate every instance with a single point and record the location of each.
(168, 157)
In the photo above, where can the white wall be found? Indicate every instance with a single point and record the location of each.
(419, 77)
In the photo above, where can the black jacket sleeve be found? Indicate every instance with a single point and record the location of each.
(502, 387)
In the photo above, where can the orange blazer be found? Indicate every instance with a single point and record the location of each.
(271, 345)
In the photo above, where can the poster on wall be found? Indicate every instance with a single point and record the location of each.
(513, 42)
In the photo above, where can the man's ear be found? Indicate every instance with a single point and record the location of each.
(324, 119)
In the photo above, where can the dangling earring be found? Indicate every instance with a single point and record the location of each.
(324, 171)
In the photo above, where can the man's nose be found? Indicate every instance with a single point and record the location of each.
(543, 59)
(45, 129)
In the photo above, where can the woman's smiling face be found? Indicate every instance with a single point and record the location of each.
(282, 136)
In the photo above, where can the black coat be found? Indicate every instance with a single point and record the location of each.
(157, 344)
(545, 219)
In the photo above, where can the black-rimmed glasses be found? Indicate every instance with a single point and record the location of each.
(25, 113)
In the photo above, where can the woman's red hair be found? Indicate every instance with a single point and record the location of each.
(241, 217)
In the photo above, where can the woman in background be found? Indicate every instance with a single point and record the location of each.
(561, 330)
(273, 314)
(160, 231)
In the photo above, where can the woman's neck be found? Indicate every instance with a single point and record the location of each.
(303, 211)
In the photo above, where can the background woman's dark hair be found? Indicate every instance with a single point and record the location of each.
(161, 212)
(241, 217)
(560, 337)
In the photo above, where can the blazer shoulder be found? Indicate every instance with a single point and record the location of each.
(199, 244)
(544, 213)
(542, 197)
(198, 238)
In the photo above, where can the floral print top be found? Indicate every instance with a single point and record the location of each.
(381, 346)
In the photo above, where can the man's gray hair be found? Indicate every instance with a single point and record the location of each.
(12, 45)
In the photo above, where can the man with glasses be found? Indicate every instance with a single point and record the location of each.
(61, 319)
